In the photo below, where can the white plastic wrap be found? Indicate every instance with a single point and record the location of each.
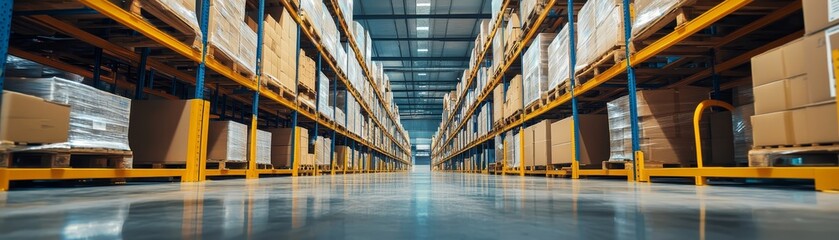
(535, 68)
(599, 30)
(324, 98)
(231, 35)
(527, 8)
(648, 11)
(347, 10)
(263, 147)
(186, 13)
(237, 141)
(558, 63)
(97, 119)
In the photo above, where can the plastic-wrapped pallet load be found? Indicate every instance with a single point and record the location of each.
(535, 68)
(263, 147)
(497, 52)
(97, 119)
(230, 35)
(227, 140)
(311, 10)
(648, 12)
(347, 10)
(512, 32)
(665, 119)
(558, 63)
(324, 98)
(600, 29)
(496, 9)
(527, 8)
(183, 12)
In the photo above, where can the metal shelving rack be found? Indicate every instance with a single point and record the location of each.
(826, 178)
(195, 170)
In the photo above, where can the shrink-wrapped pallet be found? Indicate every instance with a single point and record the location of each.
(324, 98)
(97, 119)
(558, 63)
(227, 141)
(648, 12)
(263, 147)
(231, 35)
(535, 68)
(599, 30)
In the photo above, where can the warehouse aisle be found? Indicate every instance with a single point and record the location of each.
(418, 205)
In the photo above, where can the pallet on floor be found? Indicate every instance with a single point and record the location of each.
(795, 155)
(222, 164)
(29, 157)
(608, 165)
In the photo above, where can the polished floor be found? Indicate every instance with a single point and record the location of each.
(418, 205)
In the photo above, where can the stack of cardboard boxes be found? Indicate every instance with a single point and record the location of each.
(665, 119)
(794, 86)
(263, 147)
(279, 48)
(230, 33)
(323, 151)
(593, 140)
(498, 104)
(30, 119)
(281, 148)
(512, 32)
(513, 102)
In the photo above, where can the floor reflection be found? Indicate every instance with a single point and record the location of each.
(418, 205)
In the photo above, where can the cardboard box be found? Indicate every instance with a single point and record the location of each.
(821, 123)
(159, 130)
(819, 86)
(668, 101)
(768, 67)
(227, 140)
(794, 52)
(773, 129)
(498, 103)
(528, 147)
(280, 160)
(820, 14)
(542, 142)
(594, 139)
(30, 119)
(282, 136)
(781, 95)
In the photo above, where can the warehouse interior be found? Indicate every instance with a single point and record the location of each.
(419, 119)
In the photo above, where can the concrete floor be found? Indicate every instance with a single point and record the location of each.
(419, 205)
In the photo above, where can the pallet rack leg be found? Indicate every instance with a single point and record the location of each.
(5, 31)
(295, 153)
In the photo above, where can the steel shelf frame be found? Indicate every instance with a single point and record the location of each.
(195, 170)
(826, 178)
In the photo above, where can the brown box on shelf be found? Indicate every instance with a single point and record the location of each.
(498, 103)
(528, 147)
(513, 103)
(30, 119)
(282, 136)
(818, 15)
(542, 142)
(594, 139)
(159, 130)
(669, 101)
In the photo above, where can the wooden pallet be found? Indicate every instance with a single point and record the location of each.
(795, 155)
(221, 164)
(66, 158)
(677, 16)
(647, 164)
(536, 105)
(213, 52)
(279, 89)
(514, 118)
(529, 20)
(308, 26)
(609, 59)
(509, 50)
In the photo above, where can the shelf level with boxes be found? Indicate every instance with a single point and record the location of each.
(168, 58)
(668, 50)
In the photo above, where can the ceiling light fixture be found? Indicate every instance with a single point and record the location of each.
(419, 4)
(421, 74)
(422, 50)
(423, 28)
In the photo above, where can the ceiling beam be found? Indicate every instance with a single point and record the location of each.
(400, 82)
(422, 90)
(432, 69)
(418, 16)
(420, 59)
(439, 39)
